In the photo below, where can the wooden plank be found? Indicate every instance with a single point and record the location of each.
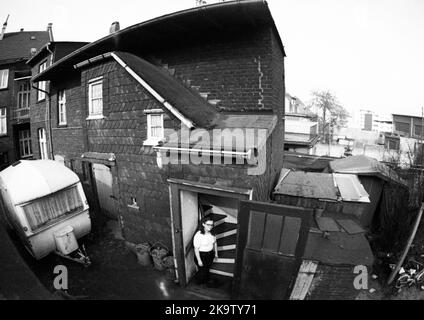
(350, 226)
(272, 232)
(304, 280)
(257, 224)
(327, 224)
(290, 236)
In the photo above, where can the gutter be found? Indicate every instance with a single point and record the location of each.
(235, 154)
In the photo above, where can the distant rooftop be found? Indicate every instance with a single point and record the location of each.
(18, 45)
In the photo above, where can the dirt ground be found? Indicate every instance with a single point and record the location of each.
(114, 273)
(382, 271)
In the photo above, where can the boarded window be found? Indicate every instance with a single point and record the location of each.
(418, 130)
(49, 208)
(402, 126)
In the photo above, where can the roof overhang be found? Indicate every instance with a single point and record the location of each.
(175, 29)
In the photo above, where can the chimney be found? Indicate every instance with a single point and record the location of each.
(3, 30)
(22, 29)
(50, 31)
(114, 27)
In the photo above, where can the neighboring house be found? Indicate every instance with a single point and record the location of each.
(41, 113)
(301, 127)
(133, 95)
(15, 88)
(408, 126)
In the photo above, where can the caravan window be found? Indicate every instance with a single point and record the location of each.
(43, 210)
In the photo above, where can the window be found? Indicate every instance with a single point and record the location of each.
(62, 107)
(402, 126)
(4, 77)
(418, 130)
(155, 128)
(23, 95)
(42, 141)
(42, 211)
(3, 121)
(42, 84)
(25, 149)
(95, 99)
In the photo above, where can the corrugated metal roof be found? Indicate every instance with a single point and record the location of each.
(324, 186)
(363, 165)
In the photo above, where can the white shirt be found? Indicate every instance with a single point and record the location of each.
(204, 242)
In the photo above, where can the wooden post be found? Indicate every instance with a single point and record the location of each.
(408, 245)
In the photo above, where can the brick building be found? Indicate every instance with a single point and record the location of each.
(40, 113)
(132, 96)
(15, 50)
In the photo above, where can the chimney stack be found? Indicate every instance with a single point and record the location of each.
(3, 30)
(114, 27)
(50, 31)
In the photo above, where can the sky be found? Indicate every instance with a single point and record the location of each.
(368, 53)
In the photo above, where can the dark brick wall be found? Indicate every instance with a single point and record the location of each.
(39, 117)
(235, 67)
(8, 99)
(227, 69)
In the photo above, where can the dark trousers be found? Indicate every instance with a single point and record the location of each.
(207, 260)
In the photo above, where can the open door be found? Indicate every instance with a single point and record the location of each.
(270, 245)
(104, 183)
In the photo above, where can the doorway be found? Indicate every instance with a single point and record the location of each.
(189, 203)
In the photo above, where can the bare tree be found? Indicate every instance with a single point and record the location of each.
(332, 113)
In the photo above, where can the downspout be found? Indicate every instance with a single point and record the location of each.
(49, 124)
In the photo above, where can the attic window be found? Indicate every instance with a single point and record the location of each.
(155, 127)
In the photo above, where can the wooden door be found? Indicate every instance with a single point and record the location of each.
(270, 244)
(104, 183)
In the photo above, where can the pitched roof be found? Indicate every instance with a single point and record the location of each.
(17, 45)
(365, 166)
(60, 48)
(185, 100)
(173, 29)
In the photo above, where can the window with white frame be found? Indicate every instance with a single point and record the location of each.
(42, 84)
(155, 127)
(3, 120)
(61, 107)
(4, 78)
(42, 141)
(95, 99)
(25, 149)
(23, 95)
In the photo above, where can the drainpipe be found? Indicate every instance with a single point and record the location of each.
(49, 124)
